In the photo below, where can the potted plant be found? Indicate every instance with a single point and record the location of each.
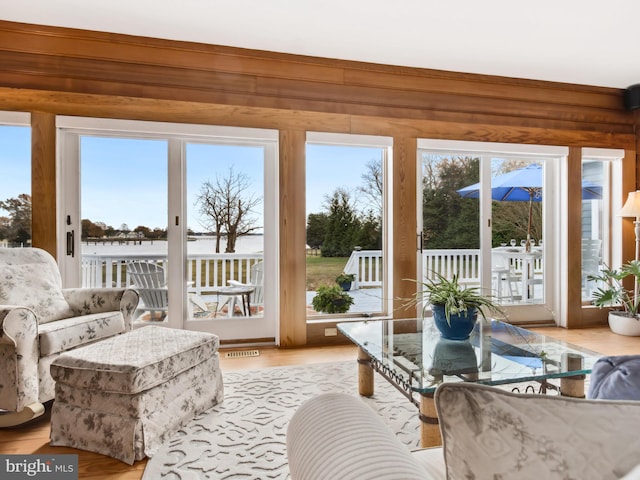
(454, 306)
(624, 319)
(331, 299)
(345, 280)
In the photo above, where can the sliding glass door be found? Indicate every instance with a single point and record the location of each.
(483, 211)
(178, 212)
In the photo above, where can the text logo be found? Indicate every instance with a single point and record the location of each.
(49, 467)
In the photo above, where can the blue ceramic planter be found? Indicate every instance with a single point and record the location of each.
(461, 325)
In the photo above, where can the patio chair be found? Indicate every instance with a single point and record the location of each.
(256, 280)
(149, 281)
(503, 274)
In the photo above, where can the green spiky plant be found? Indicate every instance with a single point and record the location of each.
(455, 298)
(613, 293)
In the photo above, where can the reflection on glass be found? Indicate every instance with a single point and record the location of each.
(593, 221)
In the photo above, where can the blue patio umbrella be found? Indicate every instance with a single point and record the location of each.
(524, 185)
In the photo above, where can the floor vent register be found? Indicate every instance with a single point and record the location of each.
(242, 354)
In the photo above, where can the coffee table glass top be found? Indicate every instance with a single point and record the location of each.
(413, 353)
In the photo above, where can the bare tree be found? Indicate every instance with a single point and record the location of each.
(227, 206)
(373, 187)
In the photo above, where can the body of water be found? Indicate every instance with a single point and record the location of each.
(201, 245)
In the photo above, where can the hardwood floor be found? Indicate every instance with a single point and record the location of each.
(34, 438)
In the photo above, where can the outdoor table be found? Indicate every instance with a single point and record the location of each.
(236, 291)
(528, 266)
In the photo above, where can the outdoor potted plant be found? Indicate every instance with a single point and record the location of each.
(455, 307)
(345, 280)
(331, 299)
(624, 318)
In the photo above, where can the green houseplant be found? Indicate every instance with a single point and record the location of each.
(455, 307)
(345, 280)
(331, 299)
(624, 319)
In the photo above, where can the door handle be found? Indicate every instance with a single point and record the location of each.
(70, 243)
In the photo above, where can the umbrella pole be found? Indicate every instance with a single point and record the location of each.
(528, 244)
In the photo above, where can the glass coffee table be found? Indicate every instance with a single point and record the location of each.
(412, 356)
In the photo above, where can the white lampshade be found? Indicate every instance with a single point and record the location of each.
(631, 207)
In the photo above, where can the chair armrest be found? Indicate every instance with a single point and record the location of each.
(335, 435)
(19, 375)
(84, 301)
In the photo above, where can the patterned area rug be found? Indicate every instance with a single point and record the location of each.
(245, 436)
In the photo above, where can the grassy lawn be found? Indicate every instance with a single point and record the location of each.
(323, 270)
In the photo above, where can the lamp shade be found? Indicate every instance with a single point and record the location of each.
(631, 207)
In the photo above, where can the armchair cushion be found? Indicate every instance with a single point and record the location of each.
(35, 286)
(56, 337)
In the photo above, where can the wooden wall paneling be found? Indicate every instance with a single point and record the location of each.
(293, 311)
(573, 260)
(52, 58)
(43, 181)
(93, 105)
(466, 130)
(108, 106)
(171, 83)
(405, 223)
(352, 95)
(93, 45)
(487, 86)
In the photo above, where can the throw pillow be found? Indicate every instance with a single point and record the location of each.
(616, 378)
(34, 285)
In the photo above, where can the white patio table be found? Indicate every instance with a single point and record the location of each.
(527, 260)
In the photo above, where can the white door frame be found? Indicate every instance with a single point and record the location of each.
(69, 131)
(553, 157)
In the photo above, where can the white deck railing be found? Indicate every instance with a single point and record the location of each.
(204, 271)
(207, 271)
(367, 266)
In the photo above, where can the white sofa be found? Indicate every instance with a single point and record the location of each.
(39, 320)
(487, 433)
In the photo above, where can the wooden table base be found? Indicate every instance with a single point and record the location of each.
(365, 374)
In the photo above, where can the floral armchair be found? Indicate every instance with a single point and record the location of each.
(39, 320)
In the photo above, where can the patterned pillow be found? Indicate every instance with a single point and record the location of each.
(490, 433)
(34, 285)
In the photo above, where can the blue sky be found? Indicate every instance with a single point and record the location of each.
(125, 180)
(15, 167)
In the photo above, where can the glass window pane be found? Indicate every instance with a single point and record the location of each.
(15, 199)
(124, 218)
(344, 229)
(225, 219)
(593, 221)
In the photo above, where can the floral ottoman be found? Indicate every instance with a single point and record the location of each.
(124, 396)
